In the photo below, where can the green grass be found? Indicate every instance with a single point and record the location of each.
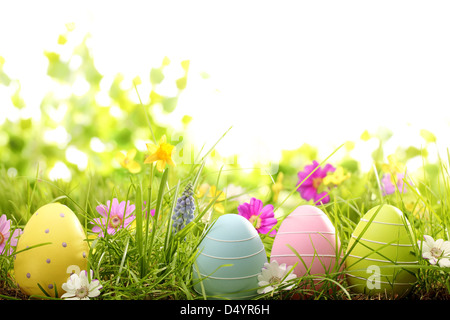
(151, 262)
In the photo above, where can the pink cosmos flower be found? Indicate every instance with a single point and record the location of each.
(5, 233)
(118, 217)
(388, 186)
(261, 217)
(313, 188)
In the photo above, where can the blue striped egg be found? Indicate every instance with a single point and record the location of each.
(230, 257)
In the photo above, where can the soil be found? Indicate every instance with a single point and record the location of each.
(435, 293)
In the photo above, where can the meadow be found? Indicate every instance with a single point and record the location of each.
(152, 256)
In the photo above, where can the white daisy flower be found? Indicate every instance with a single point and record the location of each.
(78, 287)
(274, 275)
(436, 251)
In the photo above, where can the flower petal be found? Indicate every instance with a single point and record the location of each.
(134, 167)
(267, 212)
(322, 198)
(68, 296)
(438, 243)
(446, 248)
(120, 157)
(429, 241)
(151, 158)
(163, 139)
(444, 263)
(244, 210)
(308, 193)
(170, 162)
(102, 210)
(256, 206)
(269, 222)
(266, 273)
(5, 225)
(151, 147)
(131, 154)
(160, 165)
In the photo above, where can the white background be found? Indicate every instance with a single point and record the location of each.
(282, 73)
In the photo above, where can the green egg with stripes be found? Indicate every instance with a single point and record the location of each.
(380, 253)
(229, 259)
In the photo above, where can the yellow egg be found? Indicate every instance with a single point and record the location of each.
(63, 250)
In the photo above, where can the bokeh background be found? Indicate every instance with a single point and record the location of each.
(283, 75)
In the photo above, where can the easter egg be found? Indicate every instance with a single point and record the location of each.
(55, 248)
(231, 255)
(309, 233)
(379, 252)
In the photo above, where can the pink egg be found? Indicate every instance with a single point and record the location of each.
(311, 234)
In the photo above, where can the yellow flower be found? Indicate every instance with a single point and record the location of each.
(218, 206)
(161, 153)
(393, 166)
(212, 194)
(337, 177)
(277, 186)
(201, 190)
(91, 238)
(127, 161)
(415, 209)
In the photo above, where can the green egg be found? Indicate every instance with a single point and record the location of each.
(379, 253)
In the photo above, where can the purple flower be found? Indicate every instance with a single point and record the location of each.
(118, 218)
(313, 188)
(389, 186)
(5, 233)
(262, 218)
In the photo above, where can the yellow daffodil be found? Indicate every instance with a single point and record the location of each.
(337, 177)
(127, 161)
(161, 153)
(277, 186)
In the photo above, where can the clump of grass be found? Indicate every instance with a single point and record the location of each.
(150, 261)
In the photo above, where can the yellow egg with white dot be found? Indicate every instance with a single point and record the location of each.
(52, 246)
